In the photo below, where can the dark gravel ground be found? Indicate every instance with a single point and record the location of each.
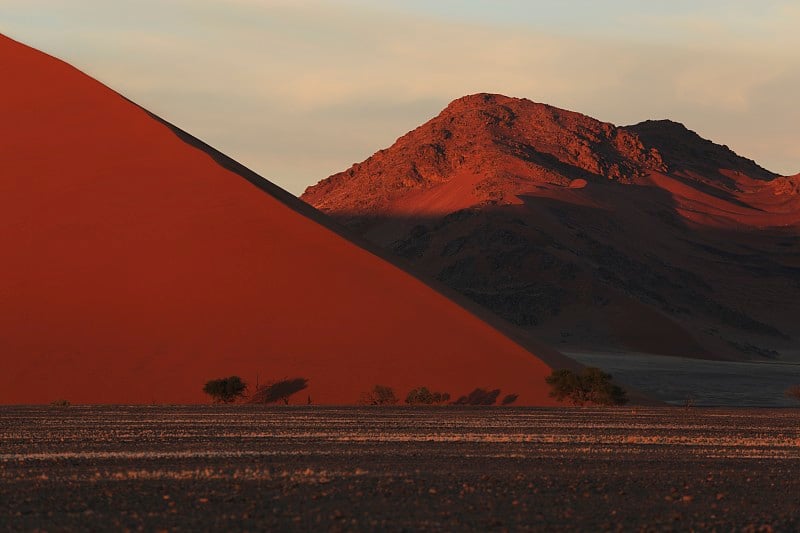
(311, 468)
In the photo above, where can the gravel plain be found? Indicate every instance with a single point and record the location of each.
(224, 468)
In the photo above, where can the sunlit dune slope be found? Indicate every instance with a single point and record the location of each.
(135, 267)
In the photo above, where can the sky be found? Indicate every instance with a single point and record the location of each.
(299, 90)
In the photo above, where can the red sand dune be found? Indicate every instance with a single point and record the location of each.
(136, 266)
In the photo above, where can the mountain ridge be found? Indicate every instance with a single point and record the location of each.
(636, 219)
(557, 145)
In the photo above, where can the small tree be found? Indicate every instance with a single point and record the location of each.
(479, 397)
(225, 390)
(279, 391)
(379, 395)
(564, 384)
(592, 386)
(423, 396)
(793, 392)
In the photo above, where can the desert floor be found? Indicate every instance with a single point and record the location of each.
(447, 468)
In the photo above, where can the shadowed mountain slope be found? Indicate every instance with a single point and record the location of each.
(645, 237)
(138, 263)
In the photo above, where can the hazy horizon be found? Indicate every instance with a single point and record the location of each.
(300, 90)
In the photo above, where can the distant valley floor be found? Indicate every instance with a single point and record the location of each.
(676, 380)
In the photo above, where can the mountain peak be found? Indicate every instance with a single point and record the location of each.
(684, 150)
(493, 146)
(666, 124)
(483, 101)
(505, 110)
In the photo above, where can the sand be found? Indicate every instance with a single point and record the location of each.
(137, 265)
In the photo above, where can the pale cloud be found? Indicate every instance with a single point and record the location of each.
(299, 90)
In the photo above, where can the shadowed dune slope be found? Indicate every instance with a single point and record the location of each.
(136, 267)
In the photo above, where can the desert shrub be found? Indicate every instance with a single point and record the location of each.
(591, 386)
(509, 399)
(279, 391)
(423, 396)
(479, 397)
(379, 395)
(60, 403)
(793, 392)
(564, 384)
(225, 390)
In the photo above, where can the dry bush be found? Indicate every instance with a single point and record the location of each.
(423, 396)
(591, 386)
(225, 390)
(379, 395)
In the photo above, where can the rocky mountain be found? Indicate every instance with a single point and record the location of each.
(645, 238)
(138, 263)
